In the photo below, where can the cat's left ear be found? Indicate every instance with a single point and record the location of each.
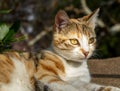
(92, 18)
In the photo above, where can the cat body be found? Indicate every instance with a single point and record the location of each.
(15, 73)
(63, 67)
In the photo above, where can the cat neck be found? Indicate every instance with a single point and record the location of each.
(69, 62)
(73, 63)
(73, 70)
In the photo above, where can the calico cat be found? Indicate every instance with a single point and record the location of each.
(63, 67)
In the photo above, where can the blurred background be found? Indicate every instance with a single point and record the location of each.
(37, 19)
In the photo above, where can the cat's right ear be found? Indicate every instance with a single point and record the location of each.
(91, 18)
(61, 19)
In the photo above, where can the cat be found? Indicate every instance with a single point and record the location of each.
(63, 67)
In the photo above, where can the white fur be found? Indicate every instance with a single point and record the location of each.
(84, 43)
(62, 87)
(19, 79)
(81, 72)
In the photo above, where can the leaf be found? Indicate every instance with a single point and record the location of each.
(14, 28)
(5, 11)
(3, 31)
(18, 39)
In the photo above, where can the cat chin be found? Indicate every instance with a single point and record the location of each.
(73, 59)
(77, 60)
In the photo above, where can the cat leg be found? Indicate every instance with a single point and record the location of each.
(93, 87)
(55, 84)
(96, 87)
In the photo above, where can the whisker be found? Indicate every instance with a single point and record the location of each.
(97, 54)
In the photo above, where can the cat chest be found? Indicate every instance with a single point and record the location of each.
(81, 73)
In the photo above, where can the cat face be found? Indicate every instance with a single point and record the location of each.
(74, 39)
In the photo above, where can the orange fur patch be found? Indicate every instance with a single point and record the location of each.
(54, 80)
(58, 63)
(6, 68)
(42, 76)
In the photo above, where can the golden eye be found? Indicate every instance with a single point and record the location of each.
(91, 40)
(74, 41)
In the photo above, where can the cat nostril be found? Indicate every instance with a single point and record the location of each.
(85, 52)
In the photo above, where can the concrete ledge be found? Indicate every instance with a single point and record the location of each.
(105, 71)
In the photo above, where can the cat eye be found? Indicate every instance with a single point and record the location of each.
(91, 40)
(74, 41)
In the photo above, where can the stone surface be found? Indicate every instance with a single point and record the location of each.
(105, 71)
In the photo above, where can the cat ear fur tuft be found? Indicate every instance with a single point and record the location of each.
(92, 18)
(61, 19)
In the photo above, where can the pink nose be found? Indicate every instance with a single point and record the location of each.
(85, 52)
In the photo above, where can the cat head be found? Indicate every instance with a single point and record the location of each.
(74, 39)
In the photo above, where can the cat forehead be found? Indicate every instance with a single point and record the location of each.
(78, 25)
(77, 21)
(76, 28)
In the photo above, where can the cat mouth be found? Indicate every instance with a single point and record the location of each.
(80, 59)
(84, 58)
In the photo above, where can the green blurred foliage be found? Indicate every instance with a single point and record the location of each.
(7, 33)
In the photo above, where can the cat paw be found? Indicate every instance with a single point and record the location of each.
(109, 88)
